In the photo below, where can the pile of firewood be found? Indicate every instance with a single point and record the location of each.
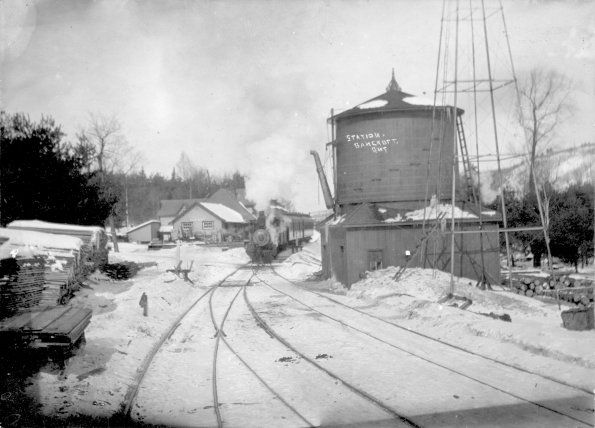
(574, 291)
(21, 284)
(121, 271)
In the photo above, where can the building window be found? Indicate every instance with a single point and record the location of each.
(208, 224)
(186, 229)
(374, 259)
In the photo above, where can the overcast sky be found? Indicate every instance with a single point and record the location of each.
(248, 85)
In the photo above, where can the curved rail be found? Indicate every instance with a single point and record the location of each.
(218, 334)
(262, 323)
(425, 336)
(133, 389)
(419, 356)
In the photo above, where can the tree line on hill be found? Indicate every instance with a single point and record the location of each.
(90, 180)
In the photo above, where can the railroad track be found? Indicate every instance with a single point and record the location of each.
(433, 339)
(220, 335)
(218, 324)
(314, 376)
(573, 415)
(266, 327)
(133, 389)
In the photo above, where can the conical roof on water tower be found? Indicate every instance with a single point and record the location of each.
(395, 147)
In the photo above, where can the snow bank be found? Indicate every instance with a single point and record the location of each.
(305, 263)
(432, 285)
(301, 265)
(535, 337)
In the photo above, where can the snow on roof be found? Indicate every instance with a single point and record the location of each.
(431, 212)
(132, 229)
(17, 237)
(230, 200)
(421, 101)
(373, 104)
(395, 219)
(223, 212)
(38, 224)
(337, 220)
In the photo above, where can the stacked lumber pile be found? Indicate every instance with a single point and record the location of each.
(62, 278)
(574, 291)
(62, 271)
(94, 252)
(21, 283)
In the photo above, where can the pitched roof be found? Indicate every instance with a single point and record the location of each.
(172, 207)
(132, 229)
(227, 198)
(224, 213)
(218, 210)
(393, 99)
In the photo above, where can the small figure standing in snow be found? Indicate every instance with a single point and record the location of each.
(144, 303)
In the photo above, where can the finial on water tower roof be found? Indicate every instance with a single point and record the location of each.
(393, 85)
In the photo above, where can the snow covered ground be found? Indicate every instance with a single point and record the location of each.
(534, 339)
(446, 373)
(119, 337)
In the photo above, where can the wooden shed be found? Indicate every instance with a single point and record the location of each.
(374, 237)
(145, 232)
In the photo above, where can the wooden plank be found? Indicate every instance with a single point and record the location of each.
(45, 318)
(78, 331)
(17, 321)
(68, 321)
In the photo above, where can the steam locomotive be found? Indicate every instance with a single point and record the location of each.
(275, 231)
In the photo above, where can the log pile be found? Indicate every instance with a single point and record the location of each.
(21, 284)
(120, 271)
(574, 291)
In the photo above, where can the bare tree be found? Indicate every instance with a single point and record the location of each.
(103, 136)
(104, 149)
(544, 103)
(187, 171)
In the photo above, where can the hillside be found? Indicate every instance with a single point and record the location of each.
(562, 167)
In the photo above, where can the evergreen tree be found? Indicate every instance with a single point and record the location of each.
(43, 178)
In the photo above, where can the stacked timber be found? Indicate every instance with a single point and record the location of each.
(21, 282)
(62, 277)
(120, 271)
(63, 268)
(574, 291)
(94, 252)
